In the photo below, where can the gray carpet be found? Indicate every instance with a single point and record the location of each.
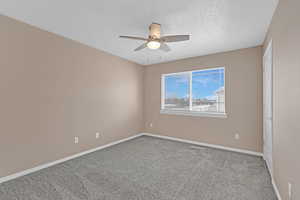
(148, 168)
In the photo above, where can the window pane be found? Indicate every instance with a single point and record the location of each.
(177, 92)
(208, 90)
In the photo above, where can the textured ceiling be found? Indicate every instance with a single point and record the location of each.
(214, 25)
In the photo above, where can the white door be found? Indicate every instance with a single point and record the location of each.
(268, 106)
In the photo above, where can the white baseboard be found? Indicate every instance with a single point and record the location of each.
(37, 168)
(276, 189)
(206, 144)
(273, 182)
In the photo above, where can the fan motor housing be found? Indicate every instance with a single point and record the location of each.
(154, 29)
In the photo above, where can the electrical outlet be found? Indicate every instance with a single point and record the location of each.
(237, 136)
(97, 135)
(290, 191)
(76, 140)
(151, 125)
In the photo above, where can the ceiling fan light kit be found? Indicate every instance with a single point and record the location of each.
(155, 41)
(153, 44)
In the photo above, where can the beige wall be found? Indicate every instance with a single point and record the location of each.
(52, 89)
(285, 33)
(243, 101)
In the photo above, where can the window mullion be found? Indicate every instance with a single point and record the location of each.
(190, 92)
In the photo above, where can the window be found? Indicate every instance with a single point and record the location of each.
(200, 92)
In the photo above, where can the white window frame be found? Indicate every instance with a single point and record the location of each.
(190, 112)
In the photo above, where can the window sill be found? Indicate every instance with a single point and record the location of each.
(193, 113)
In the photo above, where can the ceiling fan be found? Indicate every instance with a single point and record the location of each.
(155, 41)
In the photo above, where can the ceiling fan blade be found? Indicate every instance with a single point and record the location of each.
(175, 38)
(141, 47)
(133, 38)
(164, 47)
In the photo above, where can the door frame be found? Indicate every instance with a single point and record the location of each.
(269, 49)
